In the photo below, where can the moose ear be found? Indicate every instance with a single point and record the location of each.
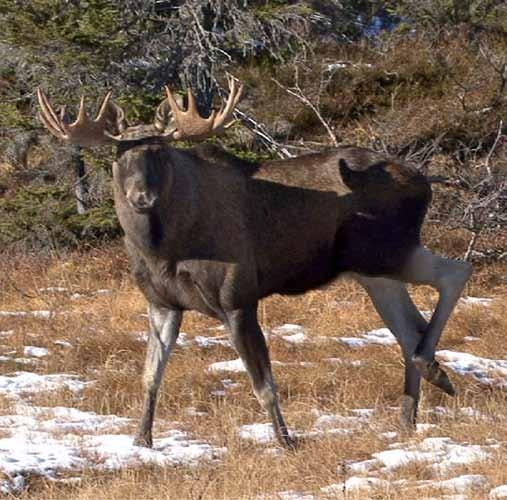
(115, 118)
(164, 115)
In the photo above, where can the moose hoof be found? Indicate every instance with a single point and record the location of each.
(431, 371)
(287, 441)
(144, 441)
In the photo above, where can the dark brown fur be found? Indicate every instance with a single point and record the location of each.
(236, 231)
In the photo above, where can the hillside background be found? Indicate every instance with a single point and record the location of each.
(422, 80)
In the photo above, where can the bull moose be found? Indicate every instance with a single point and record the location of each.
(209, 232)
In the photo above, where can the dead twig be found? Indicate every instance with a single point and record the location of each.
(296, 92)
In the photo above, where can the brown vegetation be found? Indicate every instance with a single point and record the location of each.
(102, 329)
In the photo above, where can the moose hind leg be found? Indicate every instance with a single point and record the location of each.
(248, 340)
(449, 278)
(401, 316)
(164, 330)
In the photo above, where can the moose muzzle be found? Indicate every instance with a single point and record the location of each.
(141, 201)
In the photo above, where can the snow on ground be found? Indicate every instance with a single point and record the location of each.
(456, 485)
(237, 366)
(16, 384)
(49, 441)
(63, 343)
(438, 454)
(74, 295)
(234, 365)
(207, 342)
(381, 336)
(55, 441)
(324, 425)
(36, 352)
(293, 334)
(475, 301)
(490, 372)
(500, 492)
(42, 314)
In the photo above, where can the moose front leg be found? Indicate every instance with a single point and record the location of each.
(248, 340)
(164, 330)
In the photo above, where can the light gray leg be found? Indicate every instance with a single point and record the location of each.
(248, 340)
(164, 330)
(449, 278)
(401, 316)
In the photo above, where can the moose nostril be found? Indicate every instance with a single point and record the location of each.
(141, 200)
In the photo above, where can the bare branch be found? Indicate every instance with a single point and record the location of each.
(296, 92)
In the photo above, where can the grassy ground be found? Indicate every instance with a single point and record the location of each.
(102, 328)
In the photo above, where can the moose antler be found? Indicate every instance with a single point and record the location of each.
(190, 124)
(185, 124)
(83, 131)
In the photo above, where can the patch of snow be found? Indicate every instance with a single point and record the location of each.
(490, 372)
(43, 314)
(21, 361)
(6, 333)
(347, 362)
(259, 433)
(45, 441)
(207, 342)
(356, 485)
(63, 343)
(13, 485)
(439, 453)
(469, 338)
(325, 425)
(363, 413)
(219, 393)
(53, 289)
(421, 428)
(498, 493)
(466, 411)
(293, 334)
(354, 342)
(333, 421)
(36, 352)
(18, 383)
(363, 467)
(463, 484)
(229, 384)
(381, 336)
(296, 338)
(294, 495)
(332, 67)
(234, 365)
(182, 339)
(390, 435)
(426, 315)
(59, 419)
(288, 329)
(475, 301)
(117, 451)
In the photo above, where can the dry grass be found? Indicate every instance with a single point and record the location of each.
(102, 327)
